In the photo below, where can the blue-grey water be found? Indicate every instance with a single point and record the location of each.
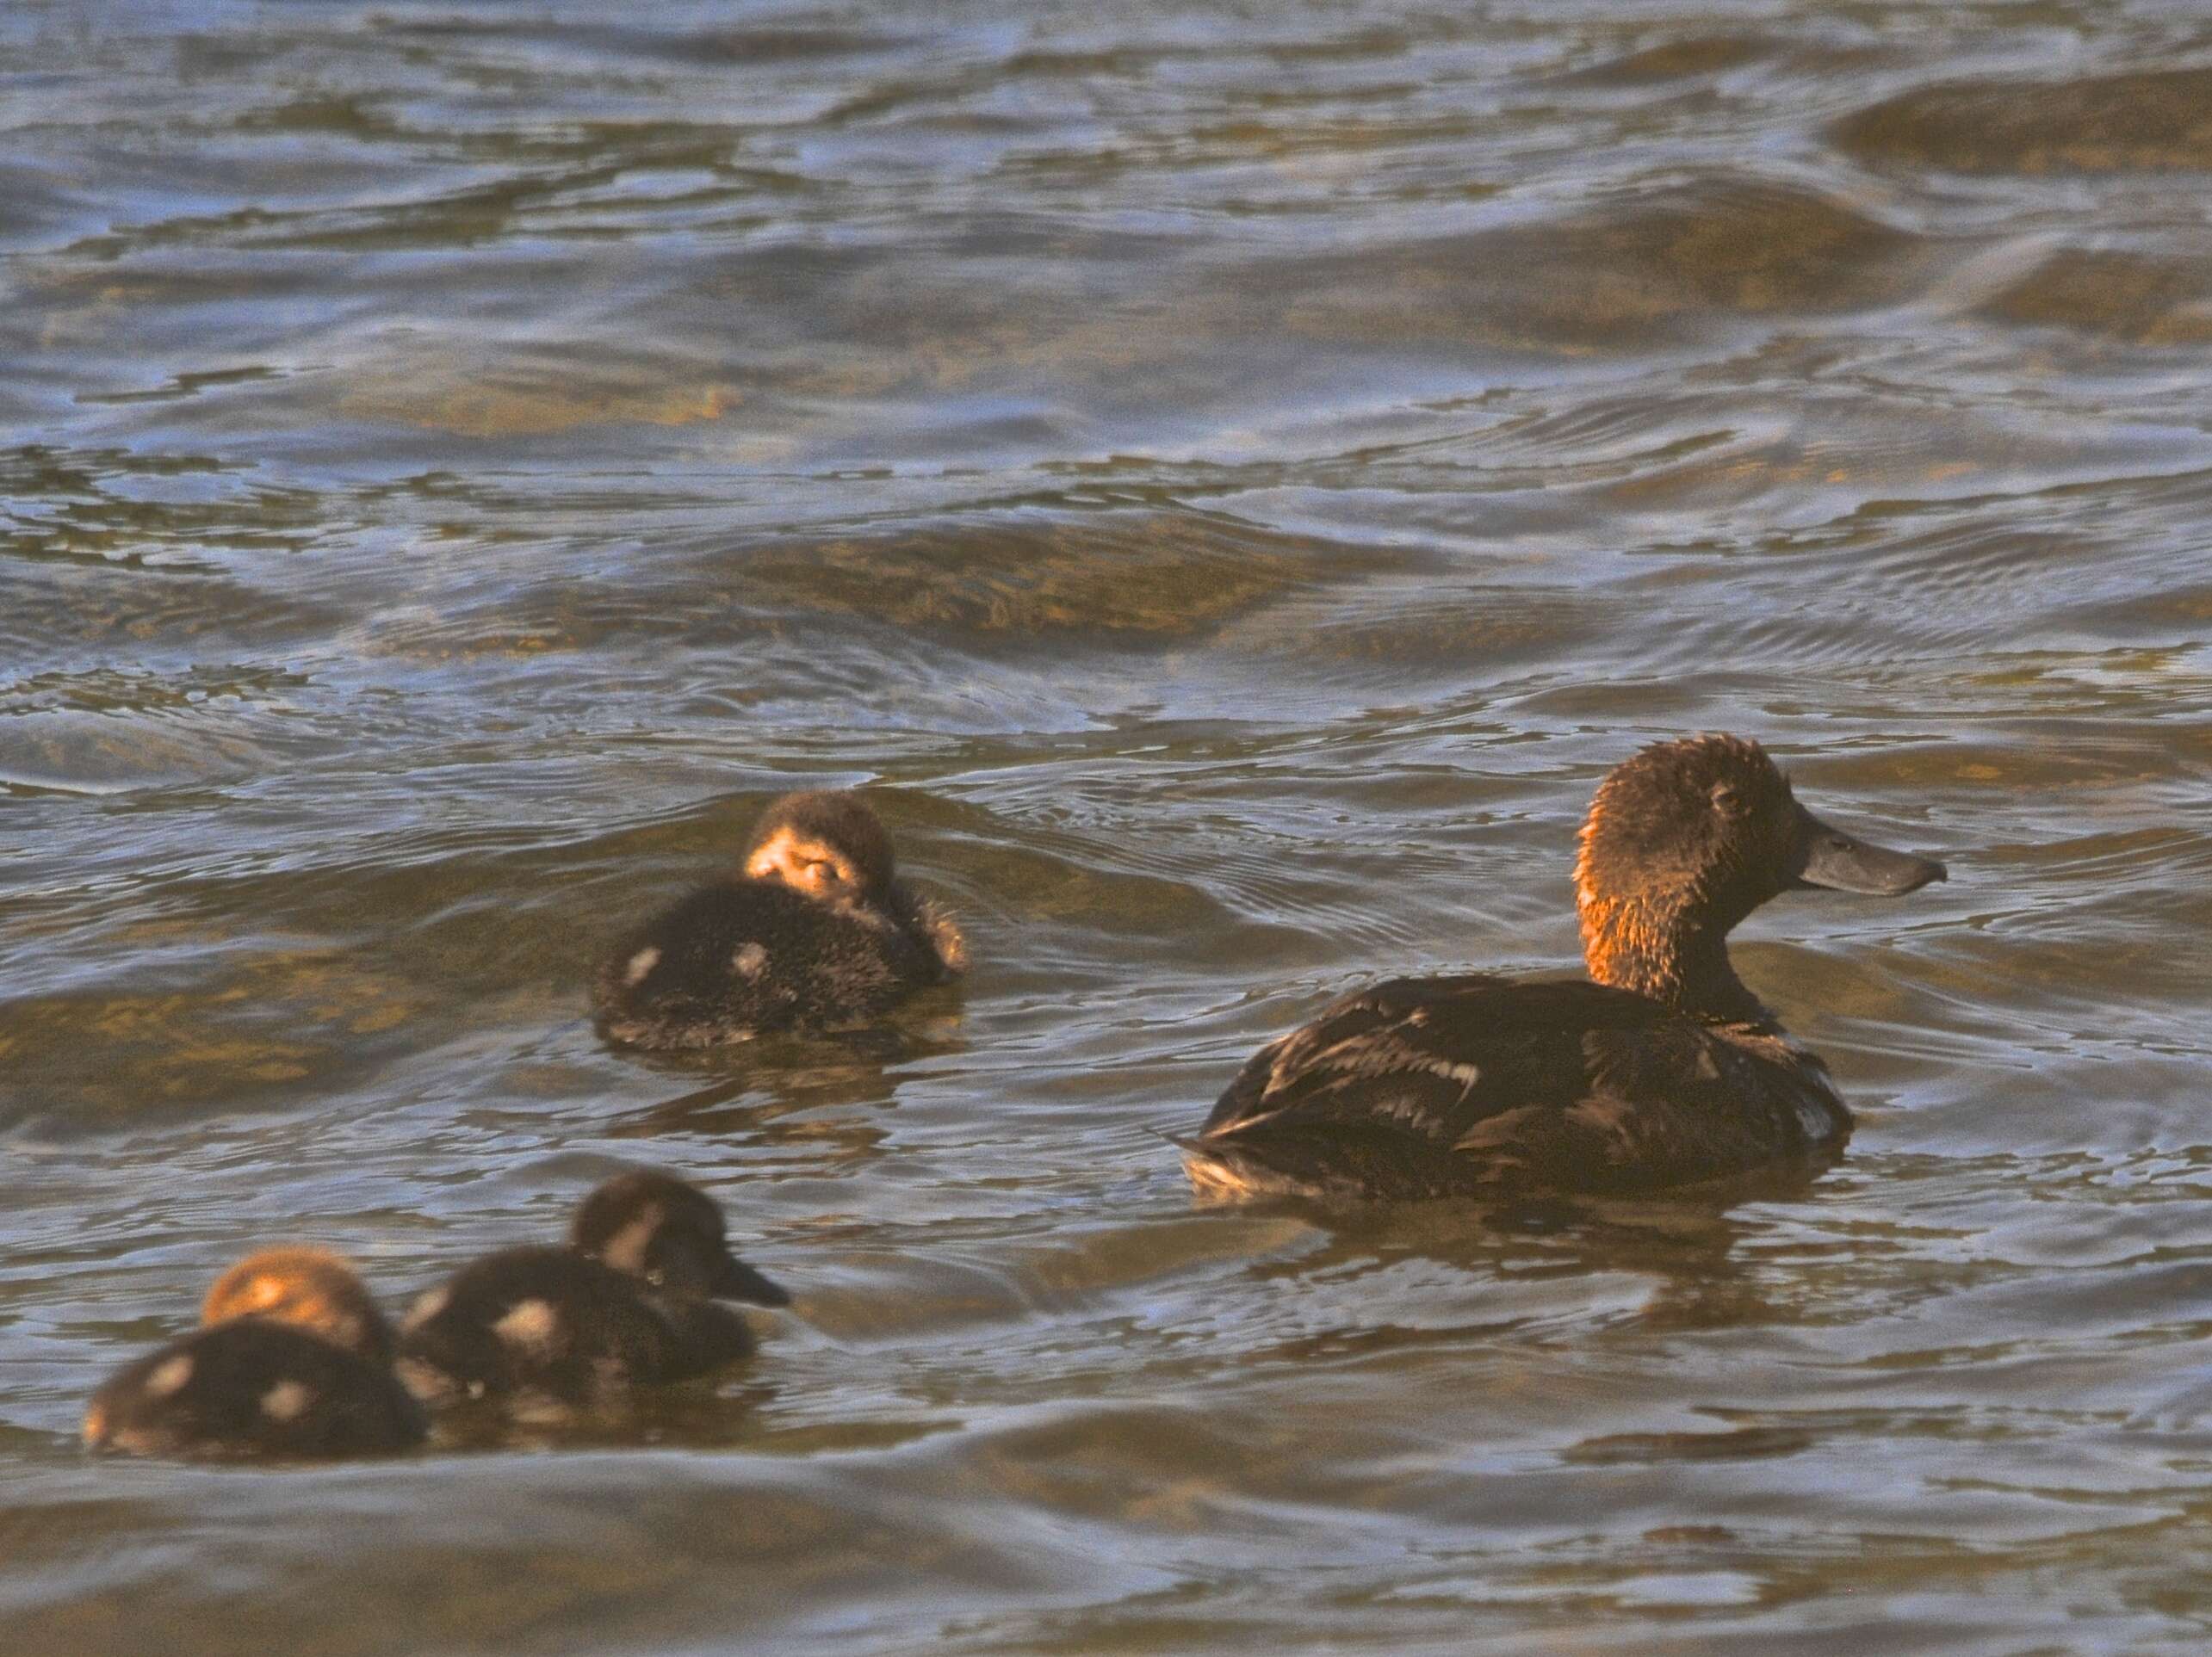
(1230, 477)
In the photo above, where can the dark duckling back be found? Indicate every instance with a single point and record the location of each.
(293, 1362)
(629, 1300)
(816, 932)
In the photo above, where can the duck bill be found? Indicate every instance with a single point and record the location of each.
(1842, 862)
(740, 1282)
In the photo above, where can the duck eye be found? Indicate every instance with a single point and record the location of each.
(1727, 801)
(656, 1276)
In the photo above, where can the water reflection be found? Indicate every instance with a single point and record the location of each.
(721, 1414)
(1684, 1250)
(766, 1082)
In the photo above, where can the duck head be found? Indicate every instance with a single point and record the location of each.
(1686, 839)
(667, 1231)
(307, 1287)
(828, 845)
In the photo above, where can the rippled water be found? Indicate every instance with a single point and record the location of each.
(1233, 477)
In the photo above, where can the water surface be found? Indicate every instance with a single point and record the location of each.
(1230, 478)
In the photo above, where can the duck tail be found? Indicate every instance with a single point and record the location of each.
(1222, 1171)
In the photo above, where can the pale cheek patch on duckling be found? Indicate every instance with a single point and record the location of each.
(625, 1250)
(532, 1326)
(288, 1400)
(640, 964)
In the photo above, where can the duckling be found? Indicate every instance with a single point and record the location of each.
(294, 1360)
(629, 1299)
(1663, 1071)
(816, 932)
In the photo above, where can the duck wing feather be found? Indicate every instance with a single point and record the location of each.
(1423, 1085)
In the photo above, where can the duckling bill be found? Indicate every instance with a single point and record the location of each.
(294, 1361)
(631, 1299)
(817, 932)
(1663, 1070)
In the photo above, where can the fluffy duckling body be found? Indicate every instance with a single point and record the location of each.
(817, 932)
(631, 1299)
(294, 1361)
(1661, 1070)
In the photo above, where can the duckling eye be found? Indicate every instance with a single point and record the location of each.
(1727, 801)
(656, 1276)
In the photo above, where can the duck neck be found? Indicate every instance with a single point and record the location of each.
(1668, 951)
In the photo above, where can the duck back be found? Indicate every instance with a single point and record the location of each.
(552, 1321)
(744, 957)
(1477, 1084)
(254, 1388)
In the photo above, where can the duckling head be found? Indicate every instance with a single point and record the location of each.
(1685, 839)
(308, 1286)
(828, 845)
(652, 1225)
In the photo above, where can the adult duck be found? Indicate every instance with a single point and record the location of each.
(1662, 1070)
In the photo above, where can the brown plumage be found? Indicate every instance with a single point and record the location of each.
(294, 1361)
(632, 1298)
(816, 932)
(1663, 1070)
(310, 1287)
